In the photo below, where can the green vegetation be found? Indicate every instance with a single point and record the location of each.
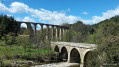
(105, 34)
(107, 52)
(21, 50)
(20, 44)
(79, 32)
(8, 26)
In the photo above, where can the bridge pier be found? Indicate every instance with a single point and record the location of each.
(60, 31)
(56, 33)
(47, 32)
(42, 32)
(52, 33)
(68, 57)
(34, 29)
(76, 51)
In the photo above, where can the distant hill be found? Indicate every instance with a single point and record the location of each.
(80, 32)
(113, 19)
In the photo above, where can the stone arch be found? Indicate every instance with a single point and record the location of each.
(23, 27)
(52, 32)
(43, 30)
(32, 26)
(56, 48)
(64, 53)
(87, 57)
(38, 28)
(75, 56)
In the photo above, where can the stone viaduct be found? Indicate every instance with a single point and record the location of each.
(56, 31)
(73, 52)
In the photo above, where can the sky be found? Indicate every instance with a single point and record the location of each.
(60, 11)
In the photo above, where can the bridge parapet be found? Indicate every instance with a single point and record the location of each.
(76, 51)
(72, 44)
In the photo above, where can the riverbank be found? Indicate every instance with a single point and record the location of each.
(18, 51)
(15, 55)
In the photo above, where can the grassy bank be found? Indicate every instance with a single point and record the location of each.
(21, 51)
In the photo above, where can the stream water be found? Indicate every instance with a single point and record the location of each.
(60, 64)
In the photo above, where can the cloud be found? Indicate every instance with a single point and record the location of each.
(54, 17)
(51, 17)
(28, 19)
(3, 7)
(85, 13)
(17, 7)
(9, 15)
(68, 9)
(25, 19)
(105, 15)
(18, 19)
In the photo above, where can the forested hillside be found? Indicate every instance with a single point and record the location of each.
(105, 34)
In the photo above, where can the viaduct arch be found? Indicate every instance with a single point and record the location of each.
(52, 31)
(75, 56)
(64, 53)
(76, 52)
(73, 52)
(88, 56)
(56, 48)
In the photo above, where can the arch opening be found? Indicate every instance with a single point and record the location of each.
(56, 48)
(44, 32)
(38, 28)
(23, 27)
(32, 26)
(88, 56)
(64, 53)
(75, 56)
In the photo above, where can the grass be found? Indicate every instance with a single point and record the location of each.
(8, 53)
(19, 50)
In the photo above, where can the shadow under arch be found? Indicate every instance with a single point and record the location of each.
(75, 56)
(64, 53)
(88, 56)
(56, 48)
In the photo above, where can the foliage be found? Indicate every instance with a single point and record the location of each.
(8, 26)
(106, 36)
(29, 30)
(78, 32)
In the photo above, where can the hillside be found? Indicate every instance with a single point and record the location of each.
(105, 34)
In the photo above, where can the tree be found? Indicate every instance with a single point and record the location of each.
(29, 30)
(106, 37)
(8, 26)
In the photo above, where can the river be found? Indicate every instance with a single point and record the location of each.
(60, 64)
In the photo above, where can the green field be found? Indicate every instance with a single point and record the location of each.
(17, 51)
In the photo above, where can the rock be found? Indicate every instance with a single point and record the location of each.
(30, 62)
(52, 58)
(40, 59)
